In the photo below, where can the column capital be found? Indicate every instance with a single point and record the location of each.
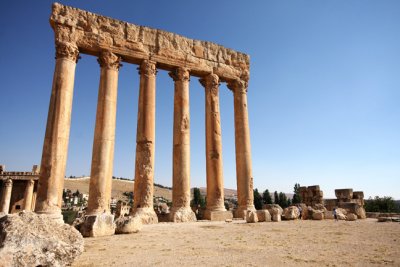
(211, 81)
(30, 182)
(180, 74)
(67, 50)
(109, 60)
(238, 86)
(8, 182)
(147, 68)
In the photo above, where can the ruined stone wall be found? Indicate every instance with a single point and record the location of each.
(94, 33)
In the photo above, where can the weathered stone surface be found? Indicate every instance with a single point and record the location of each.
(97, 225)
(128, 225)
(344, 194)
(28, 239)
(318, 215)
(270, 206)
(276, 214)
(218, 215)
(214, 169)
(291, 213)
(304, 211)
(251, 216)
(351, 217)
(311, 195)
(341, 214)
(360, 212)
(328, 215)
(263, 216)
(182, 215)
(92, 32)
(244, 174)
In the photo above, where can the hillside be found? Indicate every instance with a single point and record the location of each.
(118, 187)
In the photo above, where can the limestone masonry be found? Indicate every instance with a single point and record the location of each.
(113, 41)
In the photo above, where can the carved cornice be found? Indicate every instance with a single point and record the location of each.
(67, 50)
(147, 68)
(180, 74)
(109, 60)
(238, 86)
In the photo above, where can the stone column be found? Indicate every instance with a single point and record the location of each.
(55, 147)
(28, 196)
(181, 210)
(6, 196)
(98, 220)
(145, 137)
(243, 151)
(215, 180)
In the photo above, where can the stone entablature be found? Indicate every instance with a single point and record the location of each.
(93, 33)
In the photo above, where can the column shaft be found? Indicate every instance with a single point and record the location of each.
(215, 179)
(104, 136)
(181, 211)
(243, 150)
(28, 196)
(145, 138)
(6, 196)
(55, 147)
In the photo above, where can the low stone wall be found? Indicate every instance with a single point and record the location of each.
(376, 215)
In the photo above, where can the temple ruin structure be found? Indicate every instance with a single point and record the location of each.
(18, 190)
(112, 42)
(311, 195)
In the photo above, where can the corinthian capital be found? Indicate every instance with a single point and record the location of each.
(148, 68)
(8, 183)
(211, 81)
(238, 86)
(67, 50)
(180, 74)
(109, 60)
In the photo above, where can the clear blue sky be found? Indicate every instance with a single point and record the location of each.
(324, 91)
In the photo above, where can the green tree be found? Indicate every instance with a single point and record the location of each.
(267, 197)
(258, 201)
(282, 200)
(276, 198)
(381, 204)
(296, 197)
(198, 199)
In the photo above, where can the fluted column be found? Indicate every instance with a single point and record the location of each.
(6, 196)
(215, 179)
(181, 211)
(28, 196)
(55, 147)
(242, 144)
(104, 136)
(145, 138)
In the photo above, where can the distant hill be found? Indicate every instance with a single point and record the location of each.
(118, 187)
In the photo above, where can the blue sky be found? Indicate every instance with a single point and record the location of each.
(323, 96)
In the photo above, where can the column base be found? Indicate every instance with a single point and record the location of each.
(183, 214)
(55, 216)
(241, 212)
(128, 225)
(97, 225)
(218, 215)
(147, 215)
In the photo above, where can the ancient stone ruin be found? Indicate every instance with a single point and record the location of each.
(352, 202)
(18, 190)
(112, 42)
(311, 195)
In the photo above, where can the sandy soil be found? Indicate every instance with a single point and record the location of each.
(289, 243)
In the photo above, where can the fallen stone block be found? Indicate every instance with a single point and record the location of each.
(30, 239)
